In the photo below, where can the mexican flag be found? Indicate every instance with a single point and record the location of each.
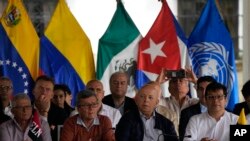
(117, 49)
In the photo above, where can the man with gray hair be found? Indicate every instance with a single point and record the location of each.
(87, 125)
(25, 126)
(117, 99)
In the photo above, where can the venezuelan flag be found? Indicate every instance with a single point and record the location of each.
(65, 51)
(19, 47)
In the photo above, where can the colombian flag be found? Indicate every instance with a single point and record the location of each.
(65, 51)
(19, 47)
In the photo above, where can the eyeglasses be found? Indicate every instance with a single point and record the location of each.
(92, 105)
(29, 107)
(218, 97)
(5, 87)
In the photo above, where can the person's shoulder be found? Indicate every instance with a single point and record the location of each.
(103, 118)
(192, 101)
(72, 119)
(109, 108)
(201, 116)
(107, 98)
(191, 108)
(161, 117)
(231, 116)
(7, 123)
(131, 115)
(164, 110)
(129, 100)
(241, 104)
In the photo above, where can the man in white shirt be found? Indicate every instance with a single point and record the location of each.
(213, 125)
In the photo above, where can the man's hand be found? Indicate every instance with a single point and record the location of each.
(191, 75)
(43, 105)
(161, 77)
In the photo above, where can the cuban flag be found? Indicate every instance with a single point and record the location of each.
(164, 46)
(212, 52)
(65, 51)
(19, 48)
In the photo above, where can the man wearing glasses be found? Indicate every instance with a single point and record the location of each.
(22, 127)
(106, 110)
(213, 125)
(6, 91)
(87, 125)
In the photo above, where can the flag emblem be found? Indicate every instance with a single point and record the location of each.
(129, 66)
(212, 59)
(13, 16)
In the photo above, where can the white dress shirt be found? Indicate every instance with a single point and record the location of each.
(203, 125)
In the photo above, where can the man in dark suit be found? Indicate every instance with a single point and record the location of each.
(198, 108)
(117, 99)
(246, 104)
(143, 123)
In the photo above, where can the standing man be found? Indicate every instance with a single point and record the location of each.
(198, 108)
(213, 125)
(117, 99)
(144, 123)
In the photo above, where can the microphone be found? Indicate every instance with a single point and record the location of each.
(169, 135)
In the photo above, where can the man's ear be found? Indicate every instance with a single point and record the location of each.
(157, 102)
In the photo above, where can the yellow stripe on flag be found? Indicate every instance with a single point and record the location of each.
(68, 37)
(22, 34)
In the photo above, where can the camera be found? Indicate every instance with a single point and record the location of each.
(175, 73)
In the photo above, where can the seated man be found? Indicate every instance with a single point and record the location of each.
(113, 114)
(178, 89)
(87, 125)
(246, 104)
(117, 99)
(214, 124)
(198, 108)
(24, 126)
(6, 92)
(145, 123)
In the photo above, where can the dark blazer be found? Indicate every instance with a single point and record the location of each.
(186, 114)
(239, 106)
(128, 105)
(131, 128)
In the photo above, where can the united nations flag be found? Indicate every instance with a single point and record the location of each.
(212, 52)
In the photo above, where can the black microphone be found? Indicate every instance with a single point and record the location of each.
(169, 135)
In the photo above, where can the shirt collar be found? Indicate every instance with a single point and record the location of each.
(79, 121)
(143, 116)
